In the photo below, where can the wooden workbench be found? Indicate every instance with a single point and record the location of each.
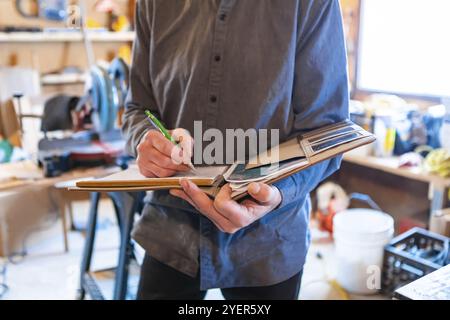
(438, 187)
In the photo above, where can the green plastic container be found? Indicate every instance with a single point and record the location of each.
(6, 151)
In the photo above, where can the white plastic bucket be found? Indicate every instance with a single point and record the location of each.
(360, 236)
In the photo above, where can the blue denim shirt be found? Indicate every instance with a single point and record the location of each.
(261, 64)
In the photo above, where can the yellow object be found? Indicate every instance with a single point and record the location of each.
(389, 142)
(121, 24)
(125, 53)
(343, 294)
(336, 286)
(92, 24)
(438, 162)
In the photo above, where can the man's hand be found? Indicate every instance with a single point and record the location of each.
(228, 215)
(160, 158)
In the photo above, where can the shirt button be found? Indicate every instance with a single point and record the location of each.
(213, 99)
(222, 17)
(217, 58)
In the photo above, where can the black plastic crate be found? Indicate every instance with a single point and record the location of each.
(411, 256)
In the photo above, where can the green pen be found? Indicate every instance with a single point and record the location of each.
(159, 126)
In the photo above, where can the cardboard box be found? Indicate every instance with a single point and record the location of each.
(440, 222)
(25, 204)
(21, 211)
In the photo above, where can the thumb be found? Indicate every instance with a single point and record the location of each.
(186, 142)
(263, 193)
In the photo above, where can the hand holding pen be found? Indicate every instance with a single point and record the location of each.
(162, 153)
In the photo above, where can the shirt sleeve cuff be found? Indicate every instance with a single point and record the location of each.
(289, 190)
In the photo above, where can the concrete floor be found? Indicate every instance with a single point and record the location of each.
(48, 273)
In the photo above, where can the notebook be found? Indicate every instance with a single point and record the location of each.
(294, 155)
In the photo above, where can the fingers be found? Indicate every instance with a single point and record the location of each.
(201, 200)
(154, 163)
(264, 194)
(228, 215)
(161, 143)
(180, 153)
(150, 169)
(245, 213)
(205, 205)
(182, 195)
(168, 155)
(230, 209)
(145, 171)
(159, 171)
(186, 142)
(163, 161)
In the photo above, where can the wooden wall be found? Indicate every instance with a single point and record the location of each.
(53, 56)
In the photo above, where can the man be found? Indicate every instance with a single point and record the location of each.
(231, 64)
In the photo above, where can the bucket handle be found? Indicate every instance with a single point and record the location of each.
(366, 199)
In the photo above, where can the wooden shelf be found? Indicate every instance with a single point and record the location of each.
(63, 79)
(390, 165)
(69, 36)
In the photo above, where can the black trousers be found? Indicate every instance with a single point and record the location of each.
(161, 282)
